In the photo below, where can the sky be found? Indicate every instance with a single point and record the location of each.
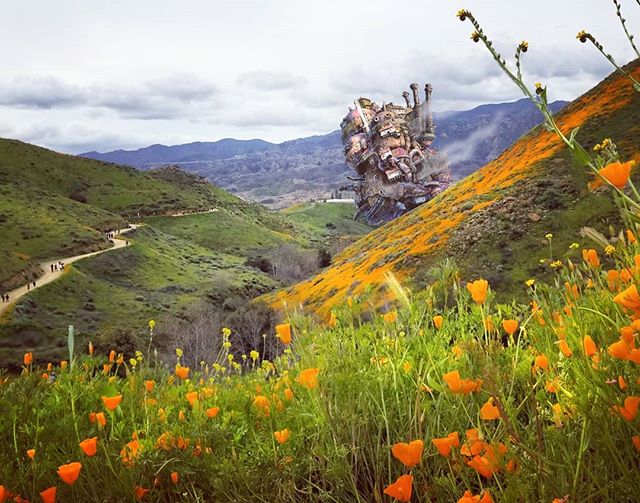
(81, 75)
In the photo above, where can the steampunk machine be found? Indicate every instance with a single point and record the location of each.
(389, 148)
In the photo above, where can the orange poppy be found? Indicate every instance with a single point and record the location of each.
(288, 394)
(283, 332)
(212, 412)
(636, 442)
(182, 372)
(112, 402)
(556, 412)
(478, 290)
(130, 452)
(102, 421)
(31, 453)
(437, 321)
(628, 298)
(409, 454)
(619, 349)
(261, 402)
(282, 436)
(564, 347)
(140, 493)
(390, 317)
(489, 412)
(630, 409)
(589, 346)
(192, 398)
(481, 465)
(112, 356)
(70, 472)
(616, 173)
(308, 378)
(401, 488)
(631, 237)
(541, 362)
(149, 385)
(27, 359)
(333, 320)
(461, 386)
(175, 477)
(591, 258)
(89, 446)
(49, 495)
(510, 326)
(445, 444)
(469, 497)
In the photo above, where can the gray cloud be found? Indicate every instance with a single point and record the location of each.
(174, 96)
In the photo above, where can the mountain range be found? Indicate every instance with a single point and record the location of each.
(282, 174)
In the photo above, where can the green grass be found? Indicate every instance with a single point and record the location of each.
(380, 382)
(158, 275)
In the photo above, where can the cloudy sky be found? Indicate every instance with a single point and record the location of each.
(83, 75)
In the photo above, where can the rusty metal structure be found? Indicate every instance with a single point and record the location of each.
(390, 149)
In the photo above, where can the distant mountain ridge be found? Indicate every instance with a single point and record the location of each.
(296, 170)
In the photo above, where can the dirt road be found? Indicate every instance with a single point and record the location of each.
(50, 276)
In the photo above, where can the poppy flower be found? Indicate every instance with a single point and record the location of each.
(390, 317)
(616, 173)
(489, 412)
(182, 372)
(469, 497)
(478, 290)
(481, 465)
(112, 402)
(212, 412)
(619, 349)
(409, 454)
(630, 409)
(89, 446)
(591, 258)
(629, 298)
(556, 412)
(70, 472)
(308, 378)
(541, 362)
(589, 346)
(261, 402)
(27, 359)
(564, 347)
(140, 492)
(49, 495)
(102, 421)
(112, 356)
(283, 332)
(130, 452)
(460, 386)
(149, 385)
(31, 453)
(282, 436)
(437, 321)
(445, 444)
(631, 237)
(401, 488)
(288, 394)
(636, 442)
(192, 398)
(175, 478)
(510, 326)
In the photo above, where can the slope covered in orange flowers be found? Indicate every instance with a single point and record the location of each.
(536, 164)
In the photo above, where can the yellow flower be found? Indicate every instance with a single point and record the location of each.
(462, 14)
(610, 250)
(152, 324)
(524, 46)
(582, 36)
(226, 344)
(133, 362)
(178, 352)
(556, 265)
(475, 36)
(530, 282)
(574, 246)
(549, 236)
(390, 317)
(406, 366)
(226, 332)
(254, 355)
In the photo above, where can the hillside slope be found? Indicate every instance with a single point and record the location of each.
(493, 222)
(54, 205)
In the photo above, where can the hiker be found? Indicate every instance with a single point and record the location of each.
(126, 242)
(28, 286)
(51, 267)
(34, 284)
(7, 297)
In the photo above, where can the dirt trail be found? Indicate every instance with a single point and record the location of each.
(49, 276)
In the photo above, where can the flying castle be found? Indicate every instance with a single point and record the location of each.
(389, 148)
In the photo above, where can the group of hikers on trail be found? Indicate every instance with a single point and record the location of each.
(57, 267)
(5, 297)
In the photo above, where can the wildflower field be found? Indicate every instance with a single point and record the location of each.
(448, 396)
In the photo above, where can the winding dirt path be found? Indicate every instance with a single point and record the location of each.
(48, 276)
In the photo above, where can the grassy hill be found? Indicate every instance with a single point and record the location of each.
(491, 220)
(55, 205)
